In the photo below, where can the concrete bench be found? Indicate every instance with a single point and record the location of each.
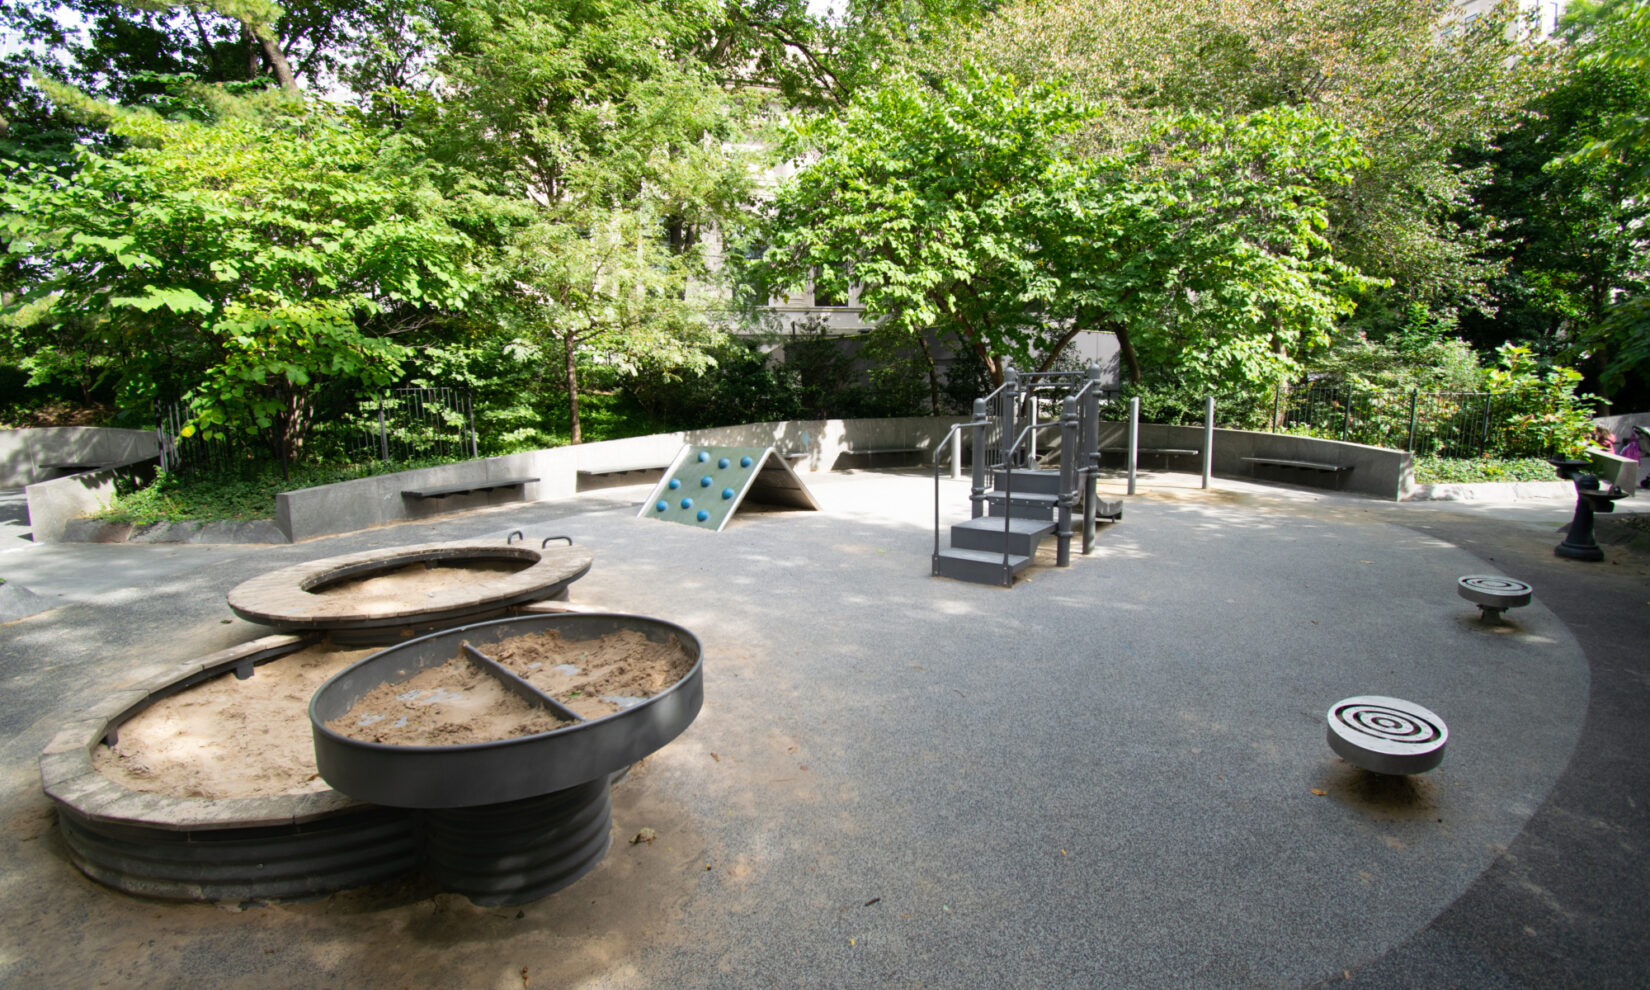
(466, 488)
(1334, 470)
(871, 453)
(1163, 452)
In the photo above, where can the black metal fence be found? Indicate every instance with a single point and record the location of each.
(408, 424)
(398, 424)
(1444, 424)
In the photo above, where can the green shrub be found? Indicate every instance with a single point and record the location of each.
(1465, 470)
(224, 495)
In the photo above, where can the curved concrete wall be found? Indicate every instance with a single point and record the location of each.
(377, 501)
(27, 456)
(826, 445)
(32, 454)
(1375, 471)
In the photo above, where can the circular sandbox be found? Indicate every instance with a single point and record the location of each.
(523, 812)
(302, 842)
(374, 595)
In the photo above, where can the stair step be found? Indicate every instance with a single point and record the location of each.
(986, 533)
(1028, 480)
(1027, 505)
(978, 566)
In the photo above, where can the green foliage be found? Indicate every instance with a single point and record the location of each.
(606, 156)
(1615, 40)
(964, 208)
(1408, 80)
(1466, 470)
(231, 494)
(1573, 226)
(1423, 353)
(747, 386)
(1547, 414)
(244, 261)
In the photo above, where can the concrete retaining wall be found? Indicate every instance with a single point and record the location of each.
(827, 445)
(24, 454)
(377, 501)
(1623, 424)
(1375, 470)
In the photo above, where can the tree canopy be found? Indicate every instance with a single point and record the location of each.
(969, 205)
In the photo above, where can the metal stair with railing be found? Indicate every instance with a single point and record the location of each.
(1026, 503)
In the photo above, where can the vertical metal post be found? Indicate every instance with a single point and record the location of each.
(956, 456)
(1277, 393)
(469, 408)
(1031, 402)
(1134, 438)
(1346, 417)
(1011, 399)
(1414, 397)
(1208, 438)
(1068, 479)
(976, 496)
(1091, 455)
(383, 434)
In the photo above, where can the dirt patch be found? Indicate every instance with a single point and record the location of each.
(598, 676)
(393, 590)
(226, 738)
(455, 703)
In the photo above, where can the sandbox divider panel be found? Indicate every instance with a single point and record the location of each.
(520, 687)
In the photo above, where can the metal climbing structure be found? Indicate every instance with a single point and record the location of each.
(1026, 501)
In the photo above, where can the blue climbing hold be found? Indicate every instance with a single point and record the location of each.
(675, 484)
(704, 482)
(687, 503)
(727, 493)
(662, 506)
(703, 457)
(744, 462)
(703, 515)
(722, 463)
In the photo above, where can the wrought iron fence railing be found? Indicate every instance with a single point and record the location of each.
(398, 424)
(1438, 423)
(1444, 424)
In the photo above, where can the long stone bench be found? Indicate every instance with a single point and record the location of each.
(466, 488)
(1163, 452)
(1334, 470)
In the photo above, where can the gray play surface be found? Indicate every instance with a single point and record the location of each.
(1112, 775)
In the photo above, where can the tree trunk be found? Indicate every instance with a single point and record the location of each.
(1126, 346)
(253, 65)
(933, 376)
(572, 388)
(277, 61)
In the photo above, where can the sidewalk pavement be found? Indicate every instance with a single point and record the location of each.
(1108, 775)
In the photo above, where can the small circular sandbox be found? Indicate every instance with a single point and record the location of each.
(375, 595)
(504, 734)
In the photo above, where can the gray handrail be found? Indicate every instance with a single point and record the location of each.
(945, 445)
(1008, 489)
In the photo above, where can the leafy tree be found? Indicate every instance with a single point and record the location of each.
(1615, 40)
(1572, 223)
(821, 60)
(245, 260)
(1408, 80)
(967, 208)
(606, 156)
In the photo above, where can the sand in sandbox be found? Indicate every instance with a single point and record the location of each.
(227, 738)
(598, 676)
(454, 703)
(393, 590)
